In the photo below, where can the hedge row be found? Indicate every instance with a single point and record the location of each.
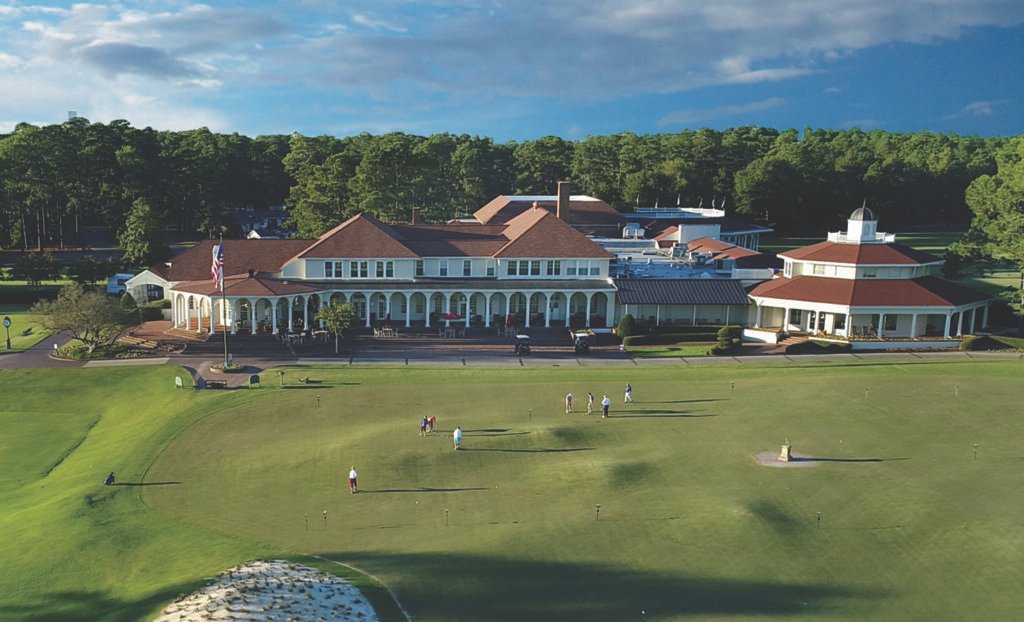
(818, 347)
(668, 338)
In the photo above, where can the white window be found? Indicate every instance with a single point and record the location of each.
(419, 272)
(405, 306)
(870, 273)
(389, 270)
(819, 268)
(554, 267)
(570, 268)
(535, 267)
(490, 268)
(380, 269)
(442, 268)
(329, 269)
(595, 269)
(524, 267)
(787, 269)
(467, 267)
(512, 268)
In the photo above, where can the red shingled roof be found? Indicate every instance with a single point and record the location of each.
(505, 208)
(239, 257)
(539, 233)
(361, 236)
(862, 254)
(925, 291)
(718, 248)
(245, 286)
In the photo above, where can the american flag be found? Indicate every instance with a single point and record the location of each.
(217, 267)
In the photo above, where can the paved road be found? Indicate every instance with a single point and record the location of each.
(39, 357)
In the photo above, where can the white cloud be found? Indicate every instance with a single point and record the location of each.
(464, 52)
(984, 108)
(682, 117)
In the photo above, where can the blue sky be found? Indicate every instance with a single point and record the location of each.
(517, 69)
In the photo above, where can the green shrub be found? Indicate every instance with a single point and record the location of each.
(626, 327)
(668, 339)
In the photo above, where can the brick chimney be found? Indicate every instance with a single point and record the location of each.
(562, 209)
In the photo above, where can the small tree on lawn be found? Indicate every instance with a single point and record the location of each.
(336, 318)
(88, 316)
(626, 327)
(34, 268)
(88, 270)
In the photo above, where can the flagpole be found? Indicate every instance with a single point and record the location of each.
(224, 307)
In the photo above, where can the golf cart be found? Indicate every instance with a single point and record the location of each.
(522, 345)
(581, 341)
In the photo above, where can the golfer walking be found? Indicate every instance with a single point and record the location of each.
(568, 403)
(605, 403)
(590, 402)
(629, 394)
(457, 437)
(353, 484)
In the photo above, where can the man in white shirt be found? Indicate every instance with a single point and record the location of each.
(568, 403)
(457, 437)
(353, 485)
(605, 403)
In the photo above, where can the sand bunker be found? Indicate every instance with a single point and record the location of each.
(272, 591)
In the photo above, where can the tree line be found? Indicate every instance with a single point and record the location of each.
(55, 180)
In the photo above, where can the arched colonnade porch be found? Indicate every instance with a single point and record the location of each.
(296, 312)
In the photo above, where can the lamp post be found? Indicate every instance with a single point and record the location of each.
(7, 327)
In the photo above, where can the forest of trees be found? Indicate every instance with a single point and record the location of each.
(57, 179)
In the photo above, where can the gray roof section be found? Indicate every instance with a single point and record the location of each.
(680, 292)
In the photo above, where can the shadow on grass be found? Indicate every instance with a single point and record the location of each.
(528, 451)
(318, 387)
(505, 590)
(420, 489)
(90, 606)
(146, 484)
(814, 459)
(681, 401)
(655, 414)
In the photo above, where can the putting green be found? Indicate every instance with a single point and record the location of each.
(912, 525)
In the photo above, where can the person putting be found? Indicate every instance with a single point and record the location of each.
(353, 481)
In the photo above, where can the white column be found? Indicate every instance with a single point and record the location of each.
(387, 305)
(949, 320)
(469, 307)
(273, 316)
(528, 297)
(426, 308)
(291, 303)
(547, 310)
(610, 311)
(881, 325)
(487, 309)
(213, 314)
(369, 307)
(408, 309)
(974, 317)
(234, 315)
(757, 315)
(913, 325)
(960, 324)
(586, 322)
(657, 315)
(984, 316)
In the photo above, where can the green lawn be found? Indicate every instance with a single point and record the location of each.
(912, 526)
(682, 348)
(25, 330)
